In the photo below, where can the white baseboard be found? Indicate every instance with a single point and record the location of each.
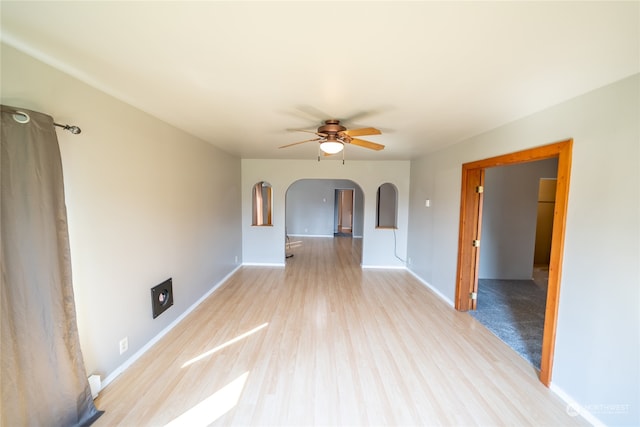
(575, 409)
(310, 235)
(428, 285)
(322, 235)
(120, 369)
(263, 264)
(386, 267)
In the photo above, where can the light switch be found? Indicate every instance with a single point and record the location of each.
(427, 203)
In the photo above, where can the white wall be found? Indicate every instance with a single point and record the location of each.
(509, 216)
(145, 202)
(265, 245)
(598, 335)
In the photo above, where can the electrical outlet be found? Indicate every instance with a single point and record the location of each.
(236, 259)
(124, 344)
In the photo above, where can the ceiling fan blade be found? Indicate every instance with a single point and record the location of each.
(360, 115)
(361, 132)
(313, 112)
(300, 142)
(301, 130)
(323, 135)
(366, 144)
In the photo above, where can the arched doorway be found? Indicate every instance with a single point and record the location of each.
(313, 209)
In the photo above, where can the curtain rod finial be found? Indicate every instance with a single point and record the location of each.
(73, 129)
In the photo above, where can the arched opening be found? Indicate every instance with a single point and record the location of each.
(387, 206)
(314, 209)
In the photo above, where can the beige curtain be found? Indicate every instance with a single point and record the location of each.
(44, 382)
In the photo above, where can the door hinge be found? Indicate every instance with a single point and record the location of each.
(473, 295)
(479, 189)
(476, 243)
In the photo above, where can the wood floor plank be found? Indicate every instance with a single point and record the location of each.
(324, 342)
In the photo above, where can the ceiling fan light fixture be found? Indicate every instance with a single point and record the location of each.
(331, 147)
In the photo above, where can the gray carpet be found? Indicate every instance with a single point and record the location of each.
(514, 311)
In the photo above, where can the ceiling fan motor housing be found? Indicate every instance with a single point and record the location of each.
(331, 127)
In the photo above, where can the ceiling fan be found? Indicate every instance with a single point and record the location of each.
(332, 137)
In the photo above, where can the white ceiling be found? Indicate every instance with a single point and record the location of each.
(239, 74)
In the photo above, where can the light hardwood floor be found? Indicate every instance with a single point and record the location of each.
(323, 342)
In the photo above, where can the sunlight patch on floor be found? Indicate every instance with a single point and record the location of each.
(214, 406)
(228, 343)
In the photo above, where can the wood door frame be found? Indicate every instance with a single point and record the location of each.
(470, 225)
(341, 192)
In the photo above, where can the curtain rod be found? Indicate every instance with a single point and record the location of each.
(24, 118)
(73, 129)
